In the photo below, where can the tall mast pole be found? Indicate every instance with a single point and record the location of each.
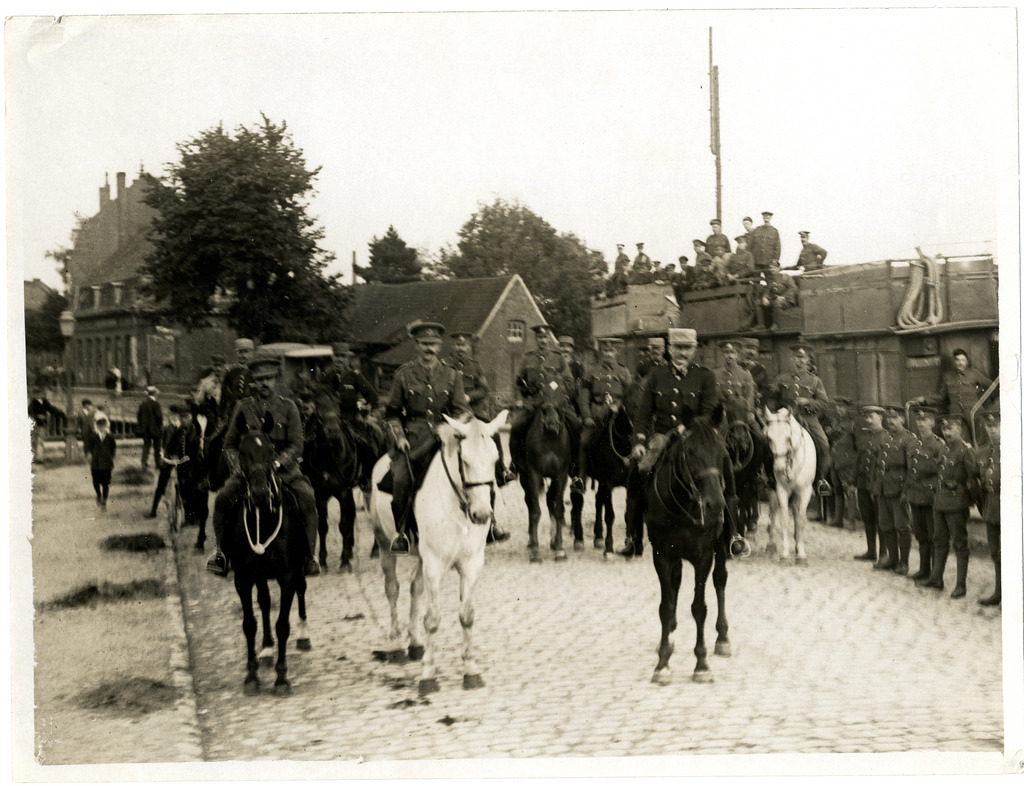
(716, 142)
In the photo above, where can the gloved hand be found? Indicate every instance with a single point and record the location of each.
(639, 451)
(402, 444)
(588, 423)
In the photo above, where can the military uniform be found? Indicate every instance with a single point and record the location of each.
(986, 472)
(922, 481)
(791, 385)
(949, 511)
(959, 392)
(766, 246)
(288, 438)
(544, 377)
(737, 390)
(842, 444)
(894, 454)
(717, 245)
(602, 391)
(811, 257)
(868, 442)
(762, 383)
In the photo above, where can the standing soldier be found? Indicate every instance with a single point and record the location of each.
(987, 470)
(717, 244)
(601, 394)
(922, 479)
(894, 456)
(959, 389)
(803, 394)
(544, 377)
(423, 390)
(150, 424)
(765, 244)
(351, 387)
(868, 441)
(951, 505)
(811, 257)
(666, 390)
(841, 433)
(478, 393)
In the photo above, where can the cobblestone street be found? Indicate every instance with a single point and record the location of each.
(828, 658)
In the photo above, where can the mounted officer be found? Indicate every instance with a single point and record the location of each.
(423, 389)
(752, 363)
(736, 385)
(544, 377)
(351, 387)
(601, 394)
(478, 393)
(567, 346)
(666, 390)
(803, 394)
(249, 415)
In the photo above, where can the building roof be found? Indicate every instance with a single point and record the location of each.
(36, 293)
(380, 313)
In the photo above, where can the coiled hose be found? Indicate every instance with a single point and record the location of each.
(922, 303)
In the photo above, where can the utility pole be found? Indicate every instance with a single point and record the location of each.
(716, 142)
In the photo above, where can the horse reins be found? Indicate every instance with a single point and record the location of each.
(688, 482)
(257, 546)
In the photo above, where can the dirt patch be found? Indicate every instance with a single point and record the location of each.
(391, 656)
(133, 476)
(91, 594)
(139, 541)
(130, 696)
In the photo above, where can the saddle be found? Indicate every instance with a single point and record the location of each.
(419, 459)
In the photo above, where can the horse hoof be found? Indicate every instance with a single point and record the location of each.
(415, 652)
(703, 676)
(577, 545)
(282, 688)
(323, 561)
(303, 644)
(345, 567)
(251, 687)
(472, 681)
(801, 561)
(662, 676)
(535, 557)
(771, 550)
(723, 649)
(598, 543)
(428, 686)
(561, 556)
(608, 556)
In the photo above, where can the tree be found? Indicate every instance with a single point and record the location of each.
(391, 261)
(42, 325)
(559, 270)
(232, 235)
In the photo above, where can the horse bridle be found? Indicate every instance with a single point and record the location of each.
(259, 547)
(688, 481)
(612, 417)
(791, 447)
(463, 486)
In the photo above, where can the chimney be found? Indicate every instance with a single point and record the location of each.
(105, 190)
(120, 209)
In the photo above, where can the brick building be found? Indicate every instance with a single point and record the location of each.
(498, 311)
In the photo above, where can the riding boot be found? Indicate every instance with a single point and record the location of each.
(997, 594)
(838, 510)
(939, 556)
(401, 512)
(495, 533)
(904, 561)
(924, 570)
(870, 531)
(961, 575)
(890, 559)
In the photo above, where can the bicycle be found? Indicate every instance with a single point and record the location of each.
(172, 497)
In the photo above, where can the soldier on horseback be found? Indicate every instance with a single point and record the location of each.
(251, 414)
(423, 389)
(602, 393)
(349, 386)
(803, 394)
(544, 377)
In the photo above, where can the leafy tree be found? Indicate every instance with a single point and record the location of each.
(42, 325)
(232, 235)
(392, 261)
(559, 270)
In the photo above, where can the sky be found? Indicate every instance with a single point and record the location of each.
(875, 130)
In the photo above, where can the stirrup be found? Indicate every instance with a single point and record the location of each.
(399, 544)
(823, 488)
(576, 485)
(738, 547)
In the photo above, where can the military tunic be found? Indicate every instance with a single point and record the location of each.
(766, 246)
(420, 395)
(922, 481)
(350, 385)
(960, 391)
(607, 383)
(812, 257)
(952, 501)
(717, 245)
(545, 378)
(894, 452)
(986, 471)
(737, 390)
(474, 382)
(667, 390)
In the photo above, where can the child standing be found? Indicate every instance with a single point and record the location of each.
(101, 446)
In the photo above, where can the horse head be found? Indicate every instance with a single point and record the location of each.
(473, 444)
(328, 415)
(255, 459)
(782, 437)
(704, 460)
(551, 418)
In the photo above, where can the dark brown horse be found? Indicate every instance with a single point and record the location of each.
(608, 464)
(546, 454)
(264, 545)
(685, 515)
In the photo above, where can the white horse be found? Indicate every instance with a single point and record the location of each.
(794, 464)
(453, 511)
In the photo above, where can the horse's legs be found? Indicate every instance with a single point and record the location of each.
(283, 628)
(263, 599)
(389, 567)
(347, 526)
(604, 491)
(533, 488)
(720, 576)
(556, 515)
(598, 509)
(243, 585)
(785, 500)
(799, 514)
(699, 610)
(670, 576)
(431, 621)
(321, 522)
(416, 613)
(302, 636)
(469, 572)
(576, 517)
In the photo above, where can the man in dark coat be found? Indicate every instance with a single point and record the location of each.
(959, 389)
(150, 424)
(717, 244)
(765, 244)
(987, 469)
(803, 394)
(812, 257)
(922, 479)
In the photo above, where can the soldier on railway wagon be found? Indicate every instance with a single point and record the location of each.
(868, 441)
(959, 389)
(765, 244)
(804, 395)
(986, 475)
(811, 257)
(717, 244)
(922, 478)
(894, 456)
(601, 393)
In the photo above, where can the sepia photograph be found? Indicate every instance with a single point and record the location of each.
(514, 394)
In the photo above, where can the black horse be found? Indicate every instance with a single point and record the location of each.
(751, 459)
(608, 464)
(335, 461)
(545, 453)
(264, 544)
(685, 515)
